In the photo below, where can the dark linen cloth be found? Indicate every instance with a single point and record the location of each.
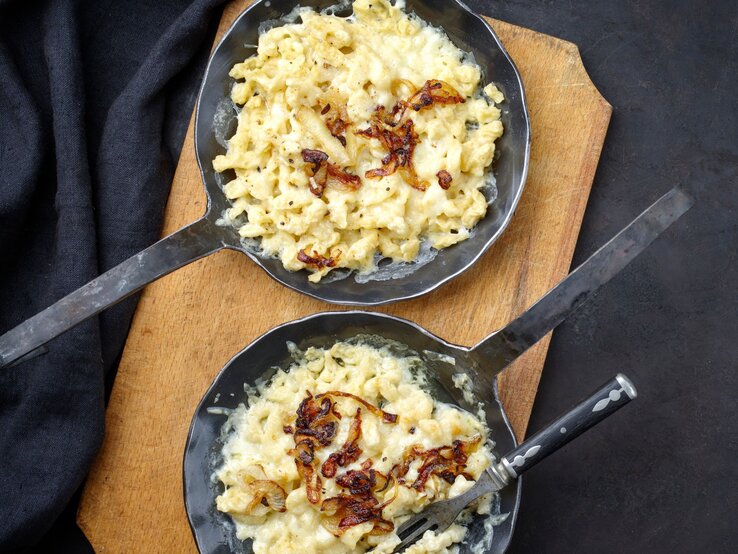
(95, 98)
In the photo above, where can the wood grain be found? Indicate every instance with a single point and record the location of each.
(190, 323)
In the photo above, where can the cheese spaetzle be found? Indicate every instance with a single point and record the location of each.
(358, 138)
(335, 453)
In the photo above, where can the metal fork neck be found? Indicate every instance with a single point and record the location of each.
(499, 476)
(504, 346)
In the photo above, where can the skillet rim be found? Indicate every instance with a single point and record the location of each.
(316, 293)
(194, 527)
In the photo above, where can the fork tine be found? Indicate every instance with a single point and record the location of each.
(414, 529)
(436, 517)
(412, 525)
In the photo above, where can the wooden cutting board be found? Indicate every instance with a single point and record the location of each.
(190, 323)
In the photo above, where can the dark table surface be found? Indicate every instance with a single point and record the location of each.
(660, 476)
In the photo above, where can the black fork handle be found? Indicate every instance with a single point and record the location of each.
(605, 401)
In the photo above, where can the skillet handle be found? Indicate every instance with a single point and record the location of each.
(194, 241)
(608, 399)
(556, 305)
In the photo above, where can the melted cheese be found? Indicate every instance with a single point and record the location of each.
(379, 377)
(378, 56)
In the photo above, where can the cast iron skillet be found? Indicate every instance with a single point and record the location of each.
(467, 30)
(214, 531)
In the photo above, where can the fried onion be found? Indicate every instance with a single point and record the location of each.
(444, 179)
(386, 416)
(315, 427)
(348, 453)
(266, 493)
(336, 120)
(446, 462)
(323, 173)
(396, 133)
(346, 511)
(432, 92)
(317, 260)
(399, 139)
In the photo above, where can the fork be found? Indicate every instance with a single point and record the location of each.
(610, 397)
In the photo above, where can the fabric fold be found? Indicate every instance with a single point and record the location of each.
(82, 190)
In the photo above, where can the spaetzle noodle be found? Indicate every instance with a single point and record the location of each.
(319, 85)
